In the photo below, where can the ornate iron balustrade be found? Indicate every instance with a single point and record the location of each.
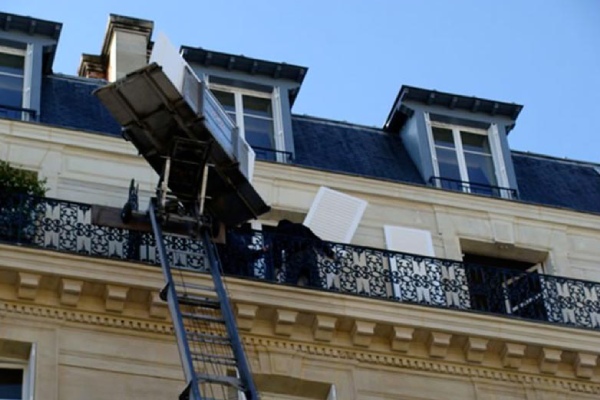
(17, 113)
(472, 187)
(66, 226)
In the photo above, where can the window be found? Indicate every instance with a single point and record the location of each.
(11, 384)
(466, 159)
(505, 286)
(254, 114)
(17, 370)
(12, 65)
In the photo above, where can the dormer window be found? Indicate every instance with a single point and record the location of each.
(467, 157)
(463, 159)
(457, 143)
(257, 94)
(12, 65)
(27, 48)
(252, 112)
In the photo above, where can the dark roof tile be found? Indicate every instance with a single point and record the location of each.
(557, 182)
(351, 149)
(68, 102)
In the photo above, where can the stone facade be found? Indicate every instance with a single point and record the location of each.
(100, 331)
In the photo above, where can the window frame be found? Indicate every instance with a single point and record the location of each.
(495, 151)
(276, 114)
(28, 368)
(23, 54)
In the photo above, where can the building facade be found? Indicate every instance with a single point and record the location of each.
(466, 270)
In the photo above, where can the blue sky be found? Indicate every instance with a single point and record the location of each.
(544, 54)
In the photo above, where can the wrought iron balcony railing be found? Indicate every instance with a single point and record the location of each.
(66, 226)
(264, 153)
(17, 113)
(472, 187)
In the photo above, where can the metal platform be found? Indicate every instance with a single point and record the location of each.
(165, 109)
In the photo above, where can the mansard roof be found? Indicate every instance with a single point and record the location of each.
(346, 148)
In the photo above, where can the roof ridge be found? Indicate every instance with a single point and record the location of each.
(337, 122)
(554, 158)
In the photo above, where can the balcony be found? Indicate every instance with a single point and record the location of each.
(472, 187)
(64, 226)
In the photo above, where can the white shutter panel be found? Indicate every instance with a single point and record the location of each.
(278, 119)
(408, 240)
(436, 169)
(334, 216)
(497, 155)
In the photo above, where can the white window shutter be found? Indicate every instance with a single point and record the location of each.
(408, 240)
(279, 139)
(436, 168)
(334, 216)
(497, 155)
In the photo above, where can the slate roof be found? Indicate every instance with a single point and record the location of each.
(345, 148)
(68, 102)
(557, 182)
(351, 149)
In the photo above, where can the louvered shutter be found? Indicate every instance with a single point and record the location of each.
(334, 216)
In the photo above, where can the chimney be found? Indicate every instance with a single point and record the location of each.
(125, 49)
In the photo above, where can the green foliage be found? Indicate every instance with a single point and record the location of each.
(15, 180)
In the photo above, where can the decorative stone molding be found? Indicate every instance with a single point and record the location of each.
(28, 285)
(585, 364)
(437, 366)
(157, 307)
(70, 291)
(401, 338)
(512, 355)
(324, 327)
(246, 314)
(475, 349)
(115, 297)
(71, 315)
(549, 360)
(284, 321)
(362, 333)
(438, 343)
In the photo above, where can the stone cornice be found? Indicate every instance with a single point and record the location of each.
(325, 352)
(42, 313)
(260, 344)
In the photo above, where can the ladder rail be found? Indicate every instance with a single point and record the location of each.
(242, 363)
(172, 301)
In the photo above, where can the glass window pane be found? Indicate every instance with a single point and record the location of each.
(11, 384)
(480, 169)
(11, 63)
(226, 99)
(257, 106)
(11, 91)
(475, 142)
(442, 136)
(448, 164)
(259, 132)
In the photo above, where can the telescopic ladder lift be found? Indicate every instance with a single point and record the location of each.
(204, 180)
